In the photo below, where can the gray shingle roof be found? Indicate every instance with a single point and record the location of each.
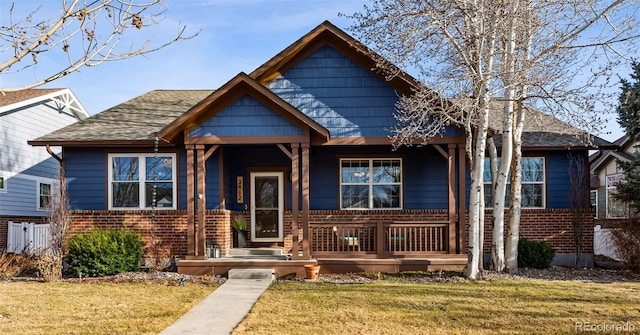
(545, 131)
(135, 120)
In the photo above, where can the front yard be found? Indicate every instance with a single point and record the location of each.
(382, 306)
(94, 308)
(461, 307)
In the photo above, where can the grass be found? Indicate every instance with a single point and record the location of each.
(497, 307)
(94, 308)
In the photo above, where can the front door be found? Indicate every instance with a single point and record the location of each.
(267, 206)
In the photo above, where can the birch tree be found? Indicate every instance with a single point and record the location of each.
(85, 33)
(555, 56)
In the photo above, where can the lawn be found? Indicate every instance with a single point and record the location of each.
(94, 308)
(486, 307)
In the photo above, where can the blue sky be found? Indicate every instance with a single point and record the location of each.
(236, 36)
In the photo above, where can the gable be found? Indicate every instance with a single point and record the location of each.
(239, 109)
(246, 116)
(338, 94)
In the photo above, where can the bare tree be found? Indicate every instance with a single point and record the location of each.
(86, 33)
(50, 261)
(552, 55)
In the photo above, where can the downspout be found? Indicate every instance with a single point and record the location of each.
(53, 154)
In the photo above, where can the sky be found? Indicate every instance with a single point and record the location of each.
(234, 36)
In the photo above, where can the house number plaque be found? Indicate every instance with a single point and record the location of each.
(239, 189)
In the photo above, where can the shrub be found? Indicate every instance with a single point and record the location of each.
(534, 254)
(626, 239)
(16, 265)
(49, 266)
(104, 252)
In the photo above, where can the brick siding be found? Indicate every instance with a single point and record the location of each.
(169, 232)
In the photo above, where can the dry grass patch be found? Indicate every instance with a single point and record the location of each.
(500, 307)
(94, 308)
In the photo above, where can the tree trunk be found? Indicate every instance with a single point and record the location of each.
(515, 196)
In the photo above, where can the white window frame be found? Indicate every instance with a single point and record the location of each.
(618, 177)
(487, 185)
(371, 184)
(142, 180)
(594, 205)
(38, 195)
(3, 186)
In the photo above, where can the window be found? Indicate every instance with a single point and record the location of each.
(44, 195)
(533, 183)
(593, 196)
(370, 183)
(616, 209)
(137, 180)
(3, 185)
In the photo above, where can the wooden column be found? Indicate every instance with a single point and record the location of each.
(295, 201)
(201, 231)
(451, 163)
(462, 193)
(306, 242)
(191, 249)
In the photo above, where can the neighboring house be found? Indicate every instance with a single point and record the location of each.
(27, 173)
(605, 174)
(300, 147)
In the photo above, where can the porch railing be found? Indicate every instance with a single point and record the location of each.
(379, 239)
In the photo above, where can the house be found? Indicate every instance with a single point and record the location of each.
(605, 174)
(28, 173)
(300, 148)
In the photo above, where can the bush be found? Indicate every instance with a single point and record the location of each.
(16, 265)
(104, 252)
(534, 254)
(626, 240)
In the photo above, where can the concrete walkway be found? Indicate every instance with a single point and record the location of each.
(222, 310)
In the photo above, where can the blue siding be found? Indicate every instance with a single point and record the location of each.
(246, 117)
(86, 172)
(212, 181)
(426, 179)
(237, 161)
(86, 178)
(424, 175)
(182, 179)
(21, 196)
(340, 95)
(558, 182)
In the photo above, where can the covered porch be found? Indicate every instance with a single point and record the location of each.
(237, 166)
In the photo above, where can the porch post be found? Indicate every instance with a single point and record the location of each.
(462, 192)
(451, 163)
(306, 242)
(201, 231)
(295, 205)
(191, 249)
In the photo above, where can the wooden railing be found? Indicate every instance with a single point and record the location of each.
(379, 239)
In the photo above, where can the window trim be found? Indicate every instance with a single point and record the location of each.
(606, 194)
(371, 183)
(3, 188)
(39, 206)
(142, 180)
(522, 183)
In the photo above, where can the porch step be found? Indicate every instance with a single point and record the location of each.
(259, 253)
(252, 274)
(256, 251)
